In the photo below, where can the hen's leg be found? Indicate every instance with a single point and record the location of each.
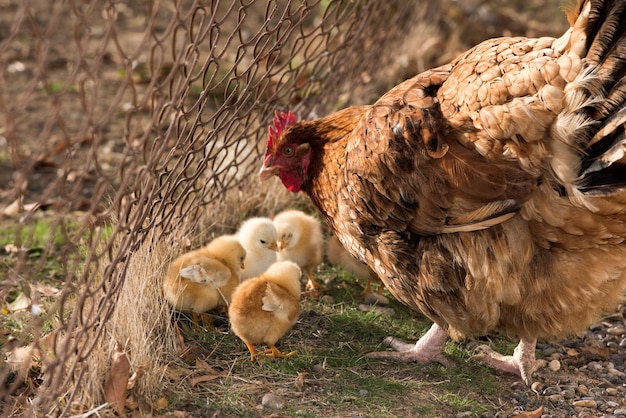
(427, 349)
(381, 288)
(368, 289)
(521, 363)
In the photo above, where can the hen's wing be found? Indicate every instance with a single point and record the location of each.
(440, 185)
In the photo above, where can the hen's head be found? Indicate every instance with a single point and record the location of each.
(286, 156)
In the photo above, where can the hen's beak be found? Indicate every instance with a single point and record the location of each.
(267, 170)
(272, 246)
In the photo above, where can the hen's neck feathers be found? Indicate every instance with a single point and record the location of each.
(328, 138)
(329, 129)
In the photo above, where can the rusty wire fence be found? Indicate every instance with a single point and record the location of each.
(124, 124)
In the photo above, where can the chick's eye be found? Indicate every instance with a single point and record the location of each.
(288, 151)
(262, 241)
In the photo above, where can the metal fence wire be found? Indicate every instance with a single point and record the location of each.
(122, 124)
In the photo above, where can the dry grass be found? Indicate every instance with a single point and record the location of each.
(141, 325)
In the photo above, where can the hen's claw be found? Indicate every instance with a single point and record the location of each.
(522, 363)
(427, 349)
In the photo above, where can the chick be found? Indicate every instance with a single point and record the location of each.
(264, 308)
(204, 279)
(258, 236)
(337, 255)
(300, 240)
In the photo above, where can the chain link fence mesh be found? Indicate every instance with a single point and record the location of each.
(132, 130)
(122, 124)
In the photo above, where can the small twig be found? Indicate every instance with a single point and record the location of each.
(91, 412)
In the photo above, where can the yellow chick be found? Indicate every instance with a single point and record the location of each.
(204, 279)
(264, 308)
(337, 255)
(258, 236)
(300, 240)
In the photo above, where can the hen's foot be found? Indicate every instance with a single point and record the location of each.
(374, 298)
(522, 363)
(427, 349)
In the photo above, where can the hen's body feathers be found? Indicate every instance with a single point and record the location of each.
(489, 192)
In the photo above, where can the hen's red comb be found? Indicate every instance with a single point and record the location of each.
(281, 121)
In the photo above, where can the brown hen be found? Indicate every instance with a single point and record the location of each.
(488, 193)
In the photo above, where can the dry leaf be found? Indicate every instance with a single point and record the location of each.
(203, 367)
(21, 359)
(601, 353)
(45, 290)
(300, 381)
(176, 373)
(19, 304)
(117, 381)
(49, 344)
(161, 403)
(17, 208)
(205, 378)
(531, 414)
(132, 381)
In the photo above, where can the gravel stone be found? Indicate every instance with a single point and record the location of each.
(586, 403)
(272, 401)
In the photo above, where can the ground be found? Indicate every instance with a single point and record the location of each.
(329, 375)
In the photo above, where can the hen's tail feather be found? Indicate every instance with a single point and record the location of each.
(607, 50)
(603, 165)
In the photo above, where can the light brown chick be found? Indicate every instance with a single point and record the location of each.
(337, 255)
(204, 279)
(300, 240)
(264, 308)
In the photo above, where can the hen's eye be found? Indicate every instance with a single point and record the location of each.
(288, 151)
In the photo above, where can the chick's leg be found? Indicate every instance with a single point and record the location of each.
(427, 349)
(312, 286)
(276, 353)
(521, 363)
(251, 349)
(201, 321)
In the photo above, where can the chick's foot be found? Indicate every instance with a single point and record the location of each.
(276, 353)
(522, 363)
(313, 288)
(427, 349)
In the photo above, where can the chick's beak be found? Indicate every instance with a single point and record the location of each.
(273, 246)
(267, 170)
